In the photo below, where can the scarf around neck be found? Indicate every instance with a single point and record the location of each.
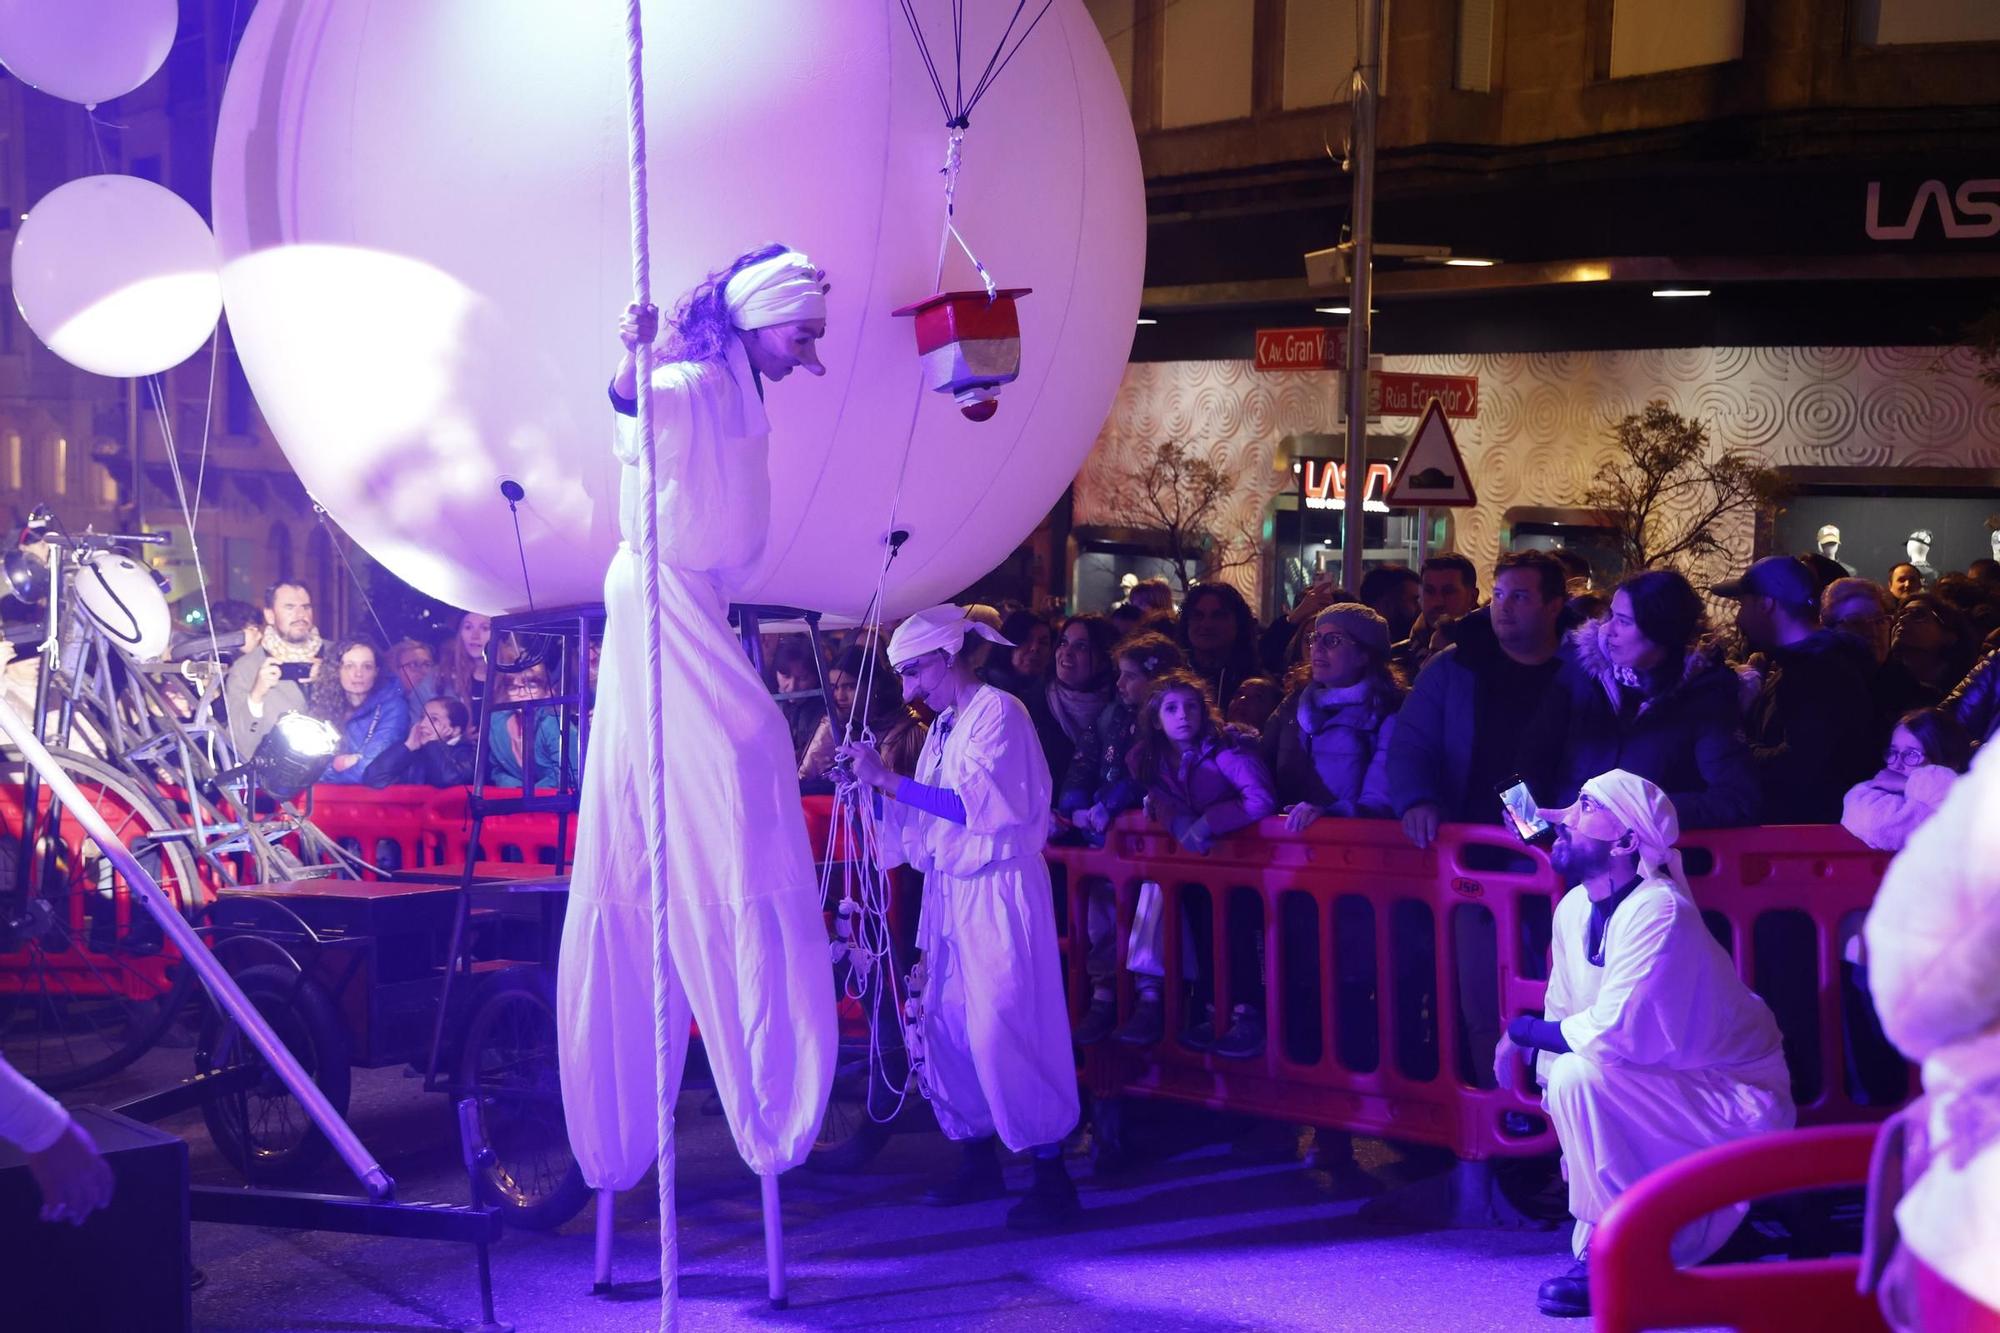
(1076, 710)
(278, 649)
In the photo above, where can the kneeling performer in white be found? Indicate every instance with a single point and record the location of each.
(1651, 1047)
(744, 924)
(993, 1030)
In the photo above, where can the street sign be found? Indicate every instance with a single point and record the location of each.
(1432, 474)
(1394, 394)
(1301, 349)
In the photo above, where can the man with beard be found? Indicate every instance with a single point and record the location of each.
(269, 681)
(1650, 1047)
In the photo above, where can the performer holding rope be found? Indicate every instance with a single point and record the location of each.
(990, 1027)
(748, 942)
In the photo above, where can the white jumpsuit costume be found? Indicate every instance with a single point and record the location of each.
(748, 940)
(1934, 970)
(1669, 1052)
(995, 1027)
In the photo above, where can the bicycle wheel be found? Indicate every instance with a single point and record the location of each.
(508, 1065)
(265, 1132)
(88, 980)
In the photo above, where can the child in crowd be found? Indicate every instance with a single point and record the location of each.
(1927, 751)
(1202, 784)
(1099, 787)
(1249, 712)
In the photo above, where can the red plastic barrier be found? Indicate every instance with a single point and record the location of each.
(364, 819)
(1373, 896)
(1634, 1284)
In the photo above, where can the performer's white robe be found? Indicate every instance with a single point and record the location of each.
(1934, 970)
(1669, 1053)
(745, 928)
(995, 1028)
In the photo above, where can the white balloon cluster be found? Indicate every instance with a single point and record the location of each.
(116, 275)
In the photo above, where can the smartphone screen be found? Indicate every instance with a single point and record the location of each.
(295, 670)
(1522, 815)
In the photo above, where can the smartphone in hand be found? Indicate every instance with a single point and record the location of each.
(1523, 815)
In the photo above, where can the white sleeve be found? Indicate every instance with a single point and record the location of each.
(29, 1118)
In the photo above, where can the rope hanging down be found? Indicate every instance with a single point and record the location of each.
(656, 749)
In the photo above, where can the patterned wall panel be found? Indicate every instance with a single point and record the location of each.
(1544, 426)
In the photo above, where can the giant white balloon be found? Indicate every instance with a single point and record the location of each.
(87, 51)
(117, 275)
(423, 216)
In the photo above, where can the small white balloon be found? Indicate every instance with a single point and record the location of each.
(87, 51)
(117, 275)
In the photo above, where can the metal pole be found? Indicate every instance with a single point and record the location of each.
(774, 1243)
(1423, 535)
(1361, 291)
(195, 952)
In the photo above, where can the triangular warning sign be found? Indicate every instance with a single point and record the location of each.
(1432, 473)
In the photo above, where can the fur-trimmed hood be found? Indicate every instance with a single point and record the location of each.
(1705, 665)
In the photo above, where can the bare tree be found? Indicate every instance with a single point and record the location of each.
(1670, 493)
(1184, 496)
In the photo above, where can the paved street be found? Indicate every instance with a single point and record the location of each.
(1202, 1233)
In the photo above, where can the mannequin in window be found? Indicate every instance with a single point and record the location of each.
(1918, 548)
(1829, 546)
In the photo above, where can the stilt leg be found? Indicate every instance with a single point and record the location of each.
(774, 1242)
(601, 1280)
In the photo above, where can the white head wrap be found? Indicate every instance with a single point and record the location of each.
(938, 627)
(779, 290)
(1643, 809)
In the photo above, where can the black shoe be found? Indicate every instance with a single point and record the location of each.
(1098, 1020)
(1245, 1038)
(978, 1178)
(1568, 1296)
(1050, 1201)
(1146, 1026)
(1200, 1037)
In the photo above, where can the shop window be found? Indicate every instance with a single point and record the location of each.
(59, 466)
(1870, 532)
(10, 460)
(1319, 52)
(1588, 532)
(1921, 22)
(1652, 36)
(107, 486)
(1115, 20)
(1206, 75)
(1477, 38)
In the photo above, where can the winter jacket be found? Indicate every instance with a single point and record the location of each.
(1976, 701)
(1335, 754)
(382, 721)
(1810, 728)
(543, 750)
(432, 764)
(1430, 752)
(1212, 791)
(1885, 818)
(1687, 739)
(1099, 775)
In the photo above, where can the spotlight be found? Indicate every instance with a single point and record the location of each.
(294, 753)
(27, 577)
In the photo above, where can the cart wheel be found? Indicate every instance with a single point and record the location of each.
(265, 1133)
(508, 1065)
(862, 1106)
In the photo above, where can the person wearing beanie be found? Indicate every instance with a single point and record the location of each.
(1327, 745)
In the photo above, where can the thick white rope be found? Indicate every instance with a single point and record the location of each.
(656, 749)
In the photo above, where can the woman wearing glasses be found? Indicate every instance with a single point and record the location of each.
(1327, 745)
(1927, 751)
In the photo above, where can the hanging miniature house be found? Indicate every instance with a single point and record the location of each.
(970, 344)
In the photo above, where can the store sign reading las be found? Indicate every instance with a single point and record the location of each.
(1326, 485)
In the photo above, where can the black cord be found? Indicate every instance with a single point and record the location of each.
(514, 494)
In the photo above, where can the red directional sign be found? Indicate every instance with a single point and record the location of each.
(1301, 349)
(1400, 395)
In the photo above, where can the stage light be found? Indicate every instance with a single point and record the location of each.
(294, 753)
(1470, 263)
(1680, 291)
(26, 576)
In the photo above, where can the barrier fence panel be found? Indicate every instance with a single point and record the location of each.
(1382, 974)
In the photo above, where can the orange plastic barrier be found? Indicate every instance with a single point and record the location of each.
(1385, 967)
(1634, 1284)
(370, 820)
